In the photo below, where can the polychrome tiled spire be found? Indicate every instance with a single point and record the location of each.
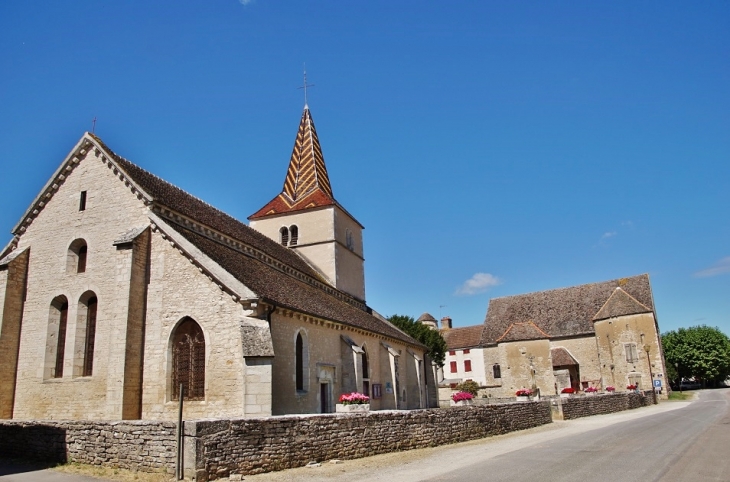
(307, 171)
(307, 184)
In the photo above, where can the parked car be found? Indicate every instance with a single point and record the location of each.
(689, 385)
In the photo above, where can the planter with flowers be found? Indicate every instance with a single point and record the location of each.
(632, 388)
(353, 402)
(610, 389)
(567, 392)
(523, 394)
(591, 391)
(461, 399)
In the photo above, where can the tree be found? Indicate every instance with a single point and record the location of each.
(702, 353)
(468, 386)
(422, 333)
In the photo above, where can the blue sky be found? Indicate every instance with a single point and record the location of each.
(489, 149)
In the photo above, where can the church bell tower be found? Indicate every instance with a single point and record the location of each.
(306, 218)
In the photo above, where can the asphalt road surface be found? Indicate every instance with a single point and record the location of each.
(690, 444)
(674, 441)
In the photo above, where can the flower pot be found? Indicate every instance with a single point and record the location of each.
(352, 408)
(462, 403)
(565, 395)
(523, 398)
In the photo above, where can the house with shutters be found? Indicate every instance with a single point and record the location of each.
(593, 335)
(120, 292)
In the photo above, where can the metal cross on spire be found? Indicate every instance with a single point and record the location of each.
(305, 87)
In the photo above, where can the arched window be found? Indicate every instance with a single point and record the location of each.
(348, 240)
(365, 372)
(90, 337)
(56, 340)
(301, 363)
(497, 371)
(284, 232)
(76, 257)
(188, 360)
(294, 231)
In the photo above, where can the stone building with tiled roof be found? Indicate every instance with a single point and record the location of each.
(592, 335)
(118, 288)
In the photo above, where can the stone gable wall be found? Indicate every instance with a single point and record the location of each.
(577, 407)
(260, 445)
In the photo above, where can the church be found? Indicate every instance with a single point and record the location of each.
(120, 293)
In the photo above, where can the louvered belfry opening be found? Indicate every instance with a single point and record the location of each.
(188, 361)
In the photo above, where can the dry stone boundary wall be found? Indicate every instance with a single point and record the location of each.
(250, 446)
(219, 448)
(577, 407)
(135, 445)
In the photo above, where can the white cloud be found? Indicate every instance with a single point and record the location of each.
(609, 234)
(721, 267)
(245, 2)
(479, 283)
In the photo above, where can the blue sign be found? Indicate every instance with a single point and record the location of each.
(657, 384)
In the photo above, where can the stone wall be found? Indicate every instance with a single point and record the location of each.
(143, 446)
(249, 446)
(577, 407)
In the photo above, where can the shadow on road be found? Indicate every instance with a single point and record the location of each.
(14, 466)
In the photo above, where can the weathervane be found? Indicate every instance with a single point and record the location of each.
(93, 125)
(305, 85)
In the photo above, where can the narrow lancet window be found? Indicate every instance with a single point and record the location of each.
(61, 342)
(90, 336)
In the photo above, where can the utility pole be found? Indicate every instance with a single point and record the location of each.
(647, 349)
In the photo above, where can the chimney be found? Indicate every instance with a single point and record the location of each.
(445, 323)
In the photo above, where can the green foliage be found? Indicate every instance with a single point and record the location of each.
(431, 338)
(469, 386)
(702, 352)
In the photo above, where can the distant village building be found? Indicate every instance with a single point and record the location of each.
(593, 335)
(118, 287)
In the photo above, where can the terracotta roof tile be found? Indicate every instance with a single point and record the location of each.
(287, 292)
(466, 337)
(561, 357)
(560, 312)
(523, 331)
(620, 303)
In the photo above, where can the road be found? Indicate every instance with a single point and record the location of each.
(674, 441)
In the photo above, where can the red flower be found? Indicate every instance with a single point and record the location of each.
(567, 390)
(461, 396)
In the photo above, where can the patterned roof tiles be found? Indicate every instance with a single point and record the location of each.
(307, 184)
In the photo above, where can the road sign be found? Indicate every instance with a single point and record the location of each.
(657, 384)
